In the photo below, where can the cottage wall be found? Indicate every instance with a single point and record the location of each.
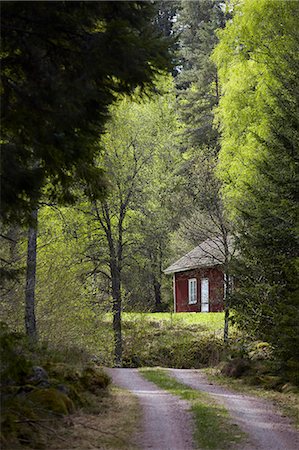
(216, 289)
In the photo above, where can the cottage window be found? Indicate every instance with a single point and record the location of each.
(192, 291)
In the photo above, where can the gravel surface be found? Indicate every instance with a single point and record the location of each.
(265, 427)
(166, 422)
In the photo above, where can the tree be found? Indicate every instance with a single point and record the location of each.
(197, 81)
(30, 319)
(63, 63)
(258, 61)
(56, 92)
(198, 92)
(138, 137)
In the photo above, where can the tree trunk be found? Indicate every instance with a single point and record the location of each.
(116, 295)
(30, 322)
(158, 296)
(226, 306)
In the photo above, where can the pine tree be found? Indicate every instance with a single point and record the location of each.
(197, 82)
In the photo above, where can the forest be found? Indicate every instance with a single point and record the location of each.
(131, 132)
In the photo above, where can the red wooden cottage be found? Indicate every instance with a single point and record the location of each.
(198, 279)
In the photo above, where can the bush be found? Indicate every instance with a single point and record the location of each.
(235, 368)
(94, 379)
(36, 388)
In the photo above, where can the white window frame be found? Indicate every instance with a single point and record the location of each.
(192, 291)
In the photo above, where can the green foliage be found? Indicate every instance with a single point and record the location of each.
(213, 429)
(197, 81)
(94, 379)
(159, 340)
(62, 66)
(15, 362)
(257, 59)
(51, 400)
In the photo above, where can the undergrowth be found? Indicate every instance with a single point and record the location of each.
(40, 386)
(172, 340)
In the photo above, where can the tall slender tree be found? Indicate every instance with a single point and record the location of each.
(137, 157)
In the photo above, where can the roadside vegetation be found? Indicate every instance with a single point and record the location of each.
(173, 340)
(213, 428)
(57, 398)
(286, 398)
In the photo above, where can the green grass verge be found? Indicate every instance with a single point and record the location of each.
(213, 427)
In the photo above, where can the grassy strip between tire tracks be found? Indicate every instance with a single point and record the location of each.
(213, 427)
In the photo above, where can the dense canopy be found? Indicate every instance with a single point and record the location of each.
(63, 64)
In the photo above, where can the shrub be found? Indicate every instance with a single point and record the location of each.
(235, 368)
(94, 379)
(51, 400)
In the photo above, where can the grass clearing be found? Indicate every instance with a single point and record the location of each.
(172, 340)
(213, 426)
(212, 322)
(288, 403)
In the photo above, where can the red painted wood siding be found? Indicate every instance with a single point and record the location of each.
(216, 289)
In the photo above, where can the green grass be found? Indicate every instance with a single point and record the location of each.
(212, 322)
(213, 427)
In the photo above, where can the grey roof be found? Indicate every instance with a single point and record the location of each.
(208, 254)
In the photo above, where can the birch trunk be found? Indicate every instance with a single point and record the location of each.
(30, 321)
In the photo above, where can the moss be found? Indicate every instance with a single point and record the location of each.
(76, 394)
(8, 423)
(63, 372)
(94, 379)
(53, 400)
(18, 424)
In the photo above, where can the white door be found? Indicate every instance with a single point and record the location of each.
(204, 295)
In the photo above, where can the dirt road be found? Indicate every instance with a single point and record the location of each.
(166, 422)
(267, 429)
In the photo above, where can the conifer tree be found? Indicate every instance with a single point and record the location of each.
(63, 64)
(197, 82)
